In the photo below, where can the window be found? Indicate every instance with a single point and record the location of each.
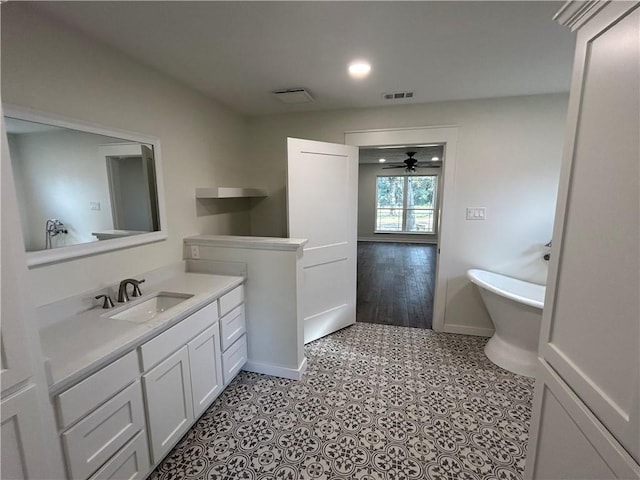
(406, 204)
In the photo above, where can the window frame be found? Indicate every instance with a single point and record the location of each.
(405, 180)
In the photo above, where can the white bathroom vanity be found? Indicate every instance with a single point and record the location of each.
(126, 387)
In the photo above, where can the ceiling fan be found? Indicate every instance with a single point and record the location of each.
(410, 164)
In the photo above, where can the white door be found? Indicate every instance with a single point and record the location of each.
(322, 193)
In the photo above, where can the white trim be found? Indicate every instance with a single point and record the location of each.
(44, 257)
(467, 330)
(391, 131)
(276, 370)
(448, 136)
(382, 239)
(574, 14)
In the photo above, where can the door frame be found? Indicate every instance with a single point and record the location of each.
(448, 136)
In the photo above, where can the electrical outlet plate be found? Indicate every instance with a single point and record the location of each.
(476, 213)
(195, 252)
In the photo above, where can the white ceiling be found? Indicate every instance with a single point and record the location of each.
(238, 52)
(396, 155)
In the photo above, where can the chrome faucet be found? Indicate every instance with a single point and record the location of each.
(123, 296)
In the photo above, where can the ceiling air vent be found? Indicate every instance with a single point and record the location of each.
(293, 95)
(397, 95)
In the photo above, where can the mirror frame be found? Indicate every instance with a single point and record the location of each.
(45, 257)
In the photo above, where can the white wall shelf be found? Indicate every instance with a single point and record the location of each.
(229, 192)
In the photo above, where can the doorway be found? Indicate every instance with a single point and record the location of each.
(398, 202)
(132, 187)
(446, 136)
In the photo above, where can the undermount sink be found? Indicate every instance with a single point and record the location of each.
(152, 307)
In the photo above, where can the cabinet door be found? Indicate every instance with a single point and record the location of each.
(594, 323)
(589, 343)
(234, 359)
(167, 391)
(130, 463)
(232, 327)
(95, 438)
(206, 371)
(177, 336)
(22, 444)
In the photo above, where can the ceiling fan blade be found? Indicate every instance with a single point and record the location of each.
(397, 166)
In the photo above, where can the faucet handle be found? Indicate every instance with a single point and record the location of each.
(136, 287)
(107, 303)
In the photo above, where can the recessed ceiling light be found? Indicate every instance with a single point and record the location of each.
(435, 159)
(382, 160)
(359, 69)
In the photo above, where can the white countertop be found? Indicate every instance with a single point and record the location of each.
(80, 345)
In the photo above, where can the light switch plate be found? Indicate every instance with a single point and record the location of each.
(476, 213)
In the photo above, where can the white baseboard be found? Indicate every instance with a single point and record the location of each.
(467, 330)
(276, 370)
(432, 241)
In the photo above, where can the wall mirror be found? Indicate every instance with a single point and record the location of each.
(83, 189)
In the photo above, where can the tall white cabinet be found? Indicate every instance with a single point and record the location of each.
(23, 433)
(586, 422)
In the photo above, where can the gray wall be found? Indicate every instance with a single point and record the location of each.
(61, 173)
(508, 160)
(49, 67)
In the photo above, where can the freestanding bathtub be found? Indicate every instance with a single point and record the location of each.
(515, 307)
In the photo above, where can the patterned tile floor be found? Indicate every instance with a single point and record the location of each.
(377, 402)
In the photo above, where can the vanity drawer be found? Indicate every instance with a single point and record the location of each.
(94, 439)
(80, 399)
(130, 463)
(232, 327)
(234, 359)
(168, 342)
(231, 300)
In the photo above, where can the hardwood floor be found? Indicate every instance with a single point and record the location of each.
(396, 283)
